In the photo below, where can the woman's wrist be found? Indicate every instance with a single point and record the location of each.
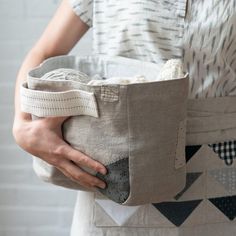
(22, 117)
(19, 120)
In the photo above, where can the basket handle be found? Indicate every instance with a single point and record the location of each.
(63, 103)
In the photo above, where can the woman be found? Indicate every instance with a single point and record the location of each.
(202, 33)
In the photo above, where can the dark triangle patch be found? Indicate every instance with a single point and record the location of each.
(190, 151)
(177, 212)
(190, 179)
(117, 180)
(227, 205)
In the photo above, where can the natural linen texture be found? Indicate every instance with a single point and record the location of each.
(137, 130)
(203, 34)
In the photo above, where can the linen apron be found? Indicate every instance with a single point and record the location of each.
(203, 33)
(207, 204)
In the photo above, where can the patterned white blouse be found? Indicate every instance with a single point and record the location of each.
(203, 34)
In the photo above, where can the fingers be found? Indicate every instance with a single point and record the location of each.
(42, 138)
(78, 175)
(81, 159)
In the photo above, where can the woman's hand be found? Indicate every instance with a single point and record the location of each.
(43, 138)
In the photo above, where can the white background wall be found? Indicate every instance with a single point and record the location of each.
(27, 205)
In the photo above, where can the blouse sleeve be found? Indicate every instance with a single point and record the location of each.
(83, 9)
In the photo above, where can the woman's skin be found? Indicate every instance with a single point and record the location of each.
(43, 137)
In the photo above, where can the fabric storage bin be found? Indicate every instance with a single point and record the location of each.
(137, 130)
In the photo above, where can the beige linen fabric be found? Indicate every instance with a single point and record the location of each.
(202, 32)
(111, 125)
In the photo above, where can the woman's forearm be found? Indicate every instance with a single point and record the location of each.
(62, 33)
(32, 60)
(43, 137)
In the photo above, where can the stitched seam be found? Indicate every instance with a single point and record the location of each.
(58, 108)
(179, 130)
(52, 99)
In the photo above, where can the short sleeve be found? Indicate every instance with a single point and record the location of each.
(83, 9)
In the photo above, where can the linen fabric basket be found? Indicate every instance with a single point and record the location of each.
(137, 130)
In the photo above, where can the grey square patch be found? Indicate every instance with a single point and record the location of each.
(110, 93)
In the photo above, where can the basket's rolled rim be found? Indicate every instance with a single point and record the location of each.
(71, 61)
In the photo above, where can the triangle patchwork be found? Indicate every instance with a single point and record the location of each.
(226, 177)
(197, 189)
(118, 213)
(191, 150)
(177, 212)
(213, 161)
(227, 205)
(190, 179)
(214, 188)
(198, 162)
(102, 218)
(148, 216)
(226, 151)
(213, 214)
(198, 216)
